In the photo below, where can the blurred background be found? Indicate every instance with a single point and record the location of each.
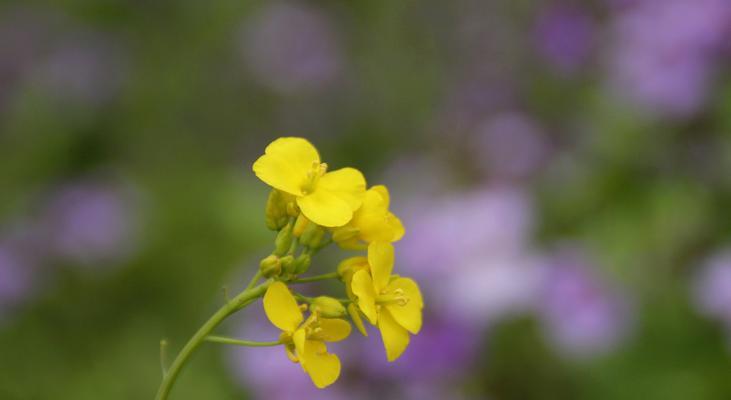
(561, 167)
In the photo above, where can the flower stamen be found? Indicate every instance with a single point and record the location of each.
(313, 176)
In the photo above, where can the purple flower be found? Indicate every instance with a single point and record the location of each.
(16, 276)
(712, 288)
(445, 234)
(493, 287)
(24, 37)
(565, 37)
(441, 351)
(21, 257)
(91, 223)
(663, 53)
(84, 68)
(470, 253)
(582, 315)
(291, 48)
(509, 146)
(267, 371)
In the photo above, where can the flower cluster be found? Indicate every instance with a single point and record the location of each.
(310, 208)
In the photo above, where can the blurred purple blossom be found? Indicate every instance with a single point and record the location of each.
(21, 255)
(493, 287)
(663, 52)
(91, 223)
(441, 351)
(564, 37)
(24, 36)
(712, 288)
(263, 370)
(446, 233)
(291, 47)
(16, 276)
(86, 68)
(509, 145)
(467, 104)
(470, 253)
(583, 316)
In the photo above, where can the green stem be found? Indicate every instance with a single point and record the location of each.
(253, 281)
(331, 275)
(238, 342)
(227, 309)
(302, 298)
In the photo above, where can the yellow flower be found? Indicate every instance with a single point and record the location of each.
(372, 222)
(304, 341)
(392, 303)
(293, 166)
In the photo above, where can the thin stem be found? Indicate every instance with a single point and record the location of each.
(254, 280)
(302, 298)
(163, 356)
(331, 275)
(227, 309)
(239, 342)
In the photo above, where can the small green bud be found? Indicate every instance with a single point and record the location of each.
(288, 264)
(276, 210)
(349, 266)
(302, 264)
(270, 266)
(292, 209)
(345, 233)
(300, 225)
(312, 236)
(283, 240)
(328, 307)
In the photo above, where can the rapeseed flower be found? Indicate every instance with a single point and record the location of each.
(391, 302)
(371, 222)
(304, 340)
(292, 165)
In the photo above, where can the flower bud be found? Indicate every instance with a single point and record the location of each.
(300, 225)
(302, 263)
(283, 240)
(292, 209)
(288, 264)
(328, 307)
(276, 210)
(312, 236)
(349, 266)
(270, 266)
(344, 234)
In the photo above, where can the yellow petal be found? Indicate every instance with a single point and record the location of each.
(372, 222)
(357, 321)
(380, 258)
(290, 353)
(397, 228)
(347, 183)
(370, 219)
(285, 164)
(407, 315)
(325, 208)
(362, 287)
(332, 330)
(323, 367)
(395, 337)
(383, 191)
(299, 338)
(335, 197)
(352, 244)
(281, 307)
